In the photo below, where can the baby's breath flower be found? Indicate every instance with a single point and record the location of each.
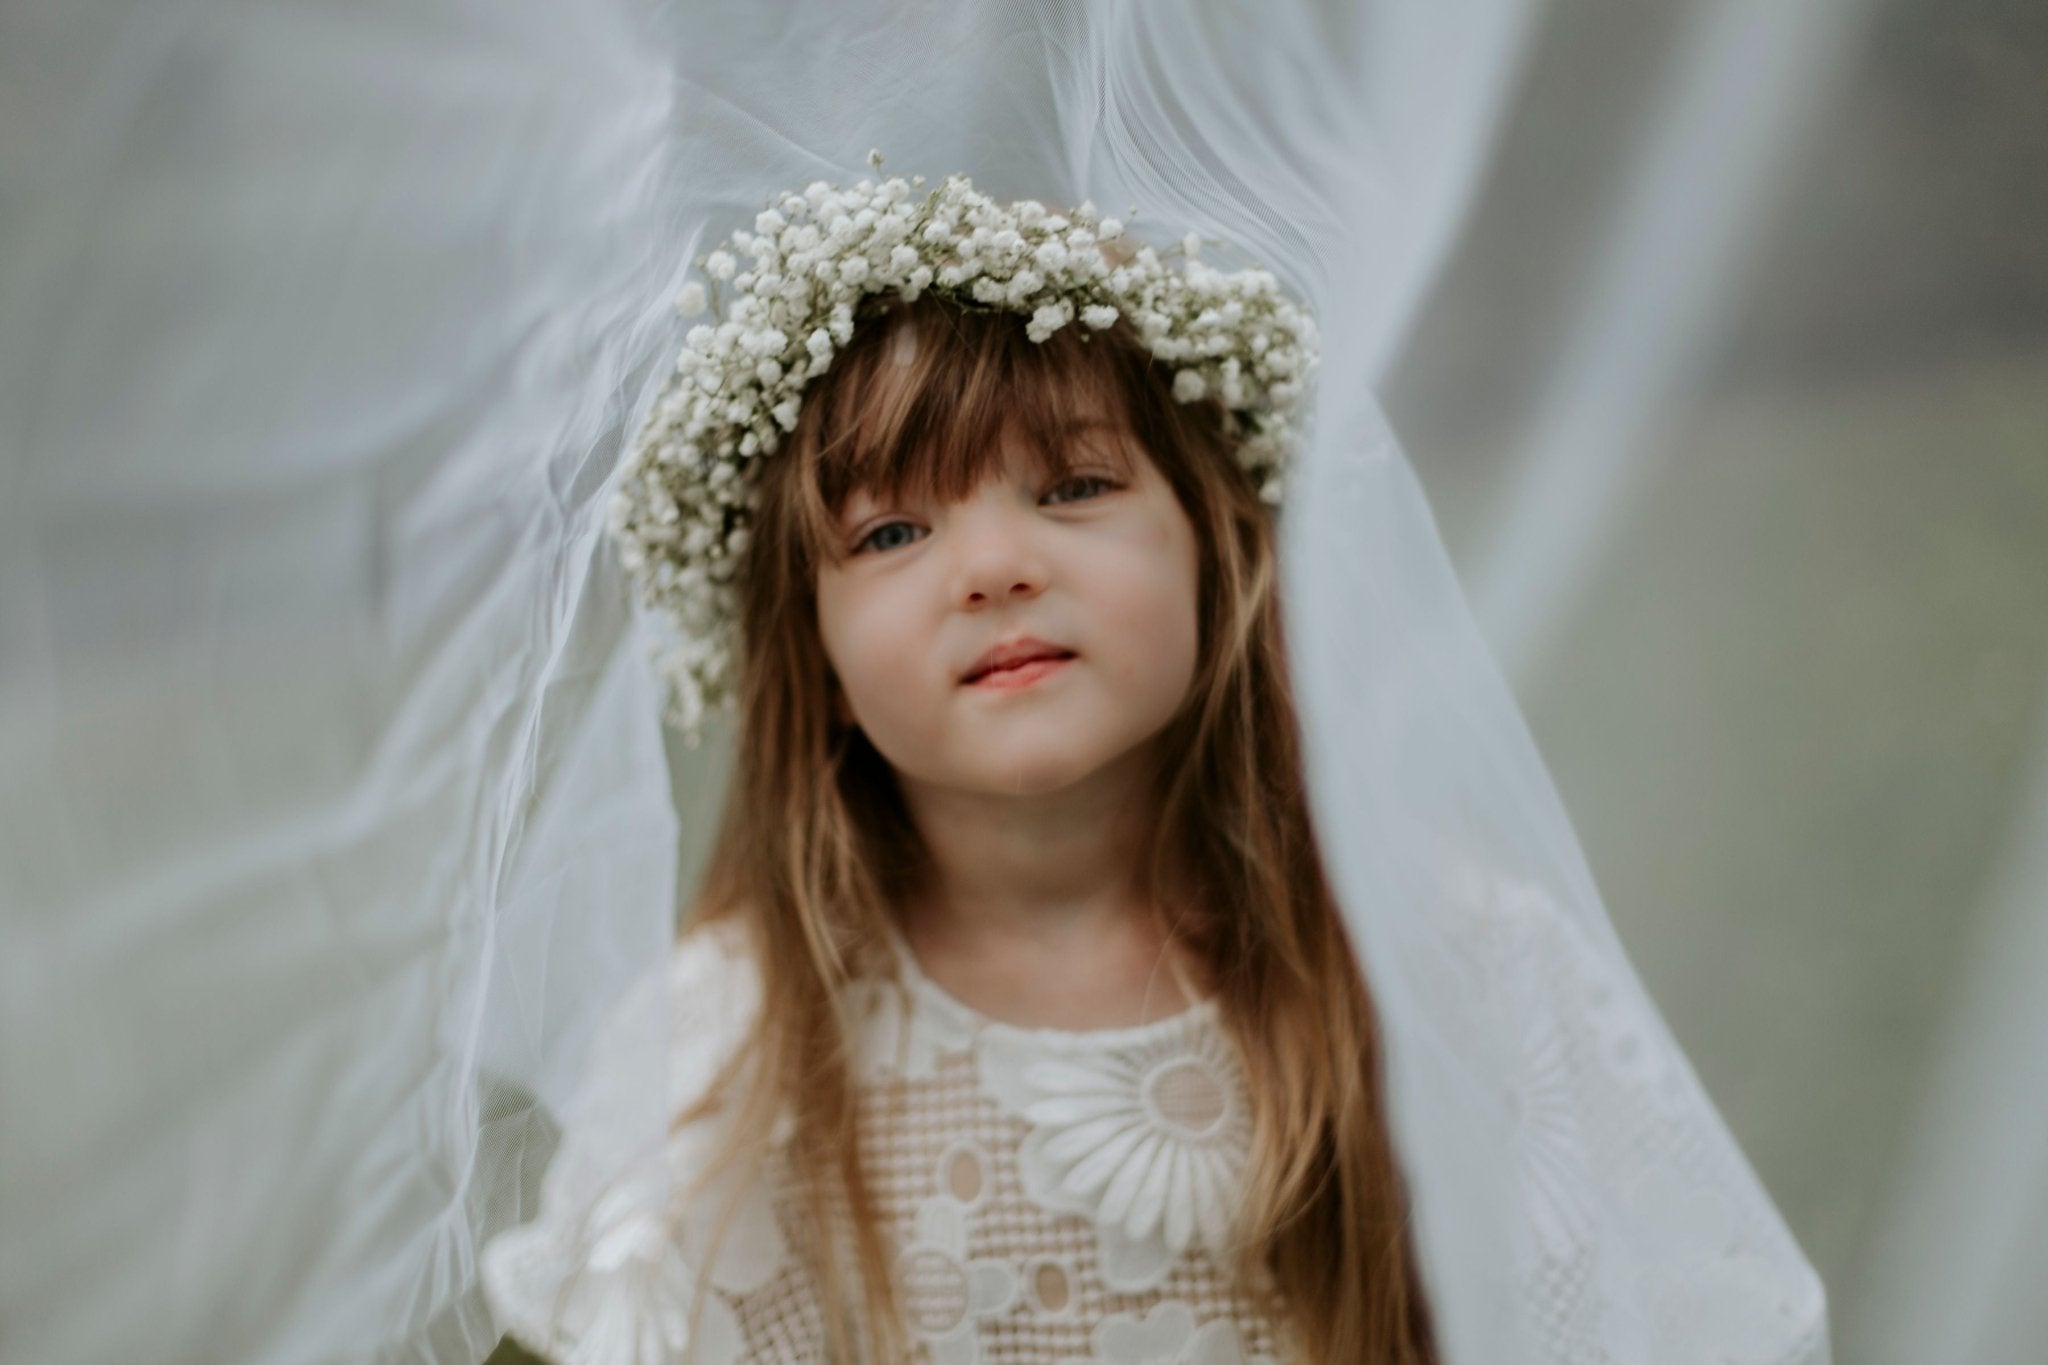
(1049, 319)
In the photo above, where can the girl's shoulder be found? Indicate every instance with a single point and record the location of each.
(708, 953)
(684, 1018)
(713, 997)
(621, 1236)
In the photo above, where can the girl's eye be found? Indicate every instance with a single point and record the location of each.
(890, 535)
(1085, 486)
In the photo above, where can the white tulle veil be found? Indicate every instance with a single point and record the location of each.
(336, 809)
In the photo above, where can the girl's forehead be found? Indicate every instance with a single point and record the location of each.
(941, 405)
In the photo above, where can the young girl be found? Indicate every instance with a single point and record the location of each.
(1015, 1021)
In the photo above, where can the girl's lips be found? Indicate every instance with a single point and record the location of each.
(1019, 676)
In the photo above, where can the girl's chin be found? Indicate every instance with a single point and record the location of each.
(1026, 756)
(1044, 769)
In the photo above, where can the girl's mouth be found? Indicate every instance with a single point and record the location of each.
(1010, 677)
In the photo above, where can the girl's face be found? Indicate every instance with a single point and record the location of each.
(1098, 567)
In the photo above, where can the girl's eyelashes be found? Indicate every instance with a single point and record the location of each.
(1091, 486)
(883, 537)
(894, 535)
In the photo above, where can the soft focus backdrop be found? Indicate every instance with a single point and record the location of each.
(1791, 676)
(1788, 663)
(1780, 628)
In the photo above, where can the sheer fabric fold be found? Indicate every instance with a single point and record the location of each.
(333, 799)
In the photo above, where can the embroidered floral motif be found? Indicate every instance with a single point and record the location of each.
(1150, 1141)
(1049, 1286)
(1128, 1265)
(1649, 1258)
(1167, 1336)
(1707, 1293)
(944, 1293)
(895, 1039)
(964, 1173)
(995, 1255)
(1550, 1154)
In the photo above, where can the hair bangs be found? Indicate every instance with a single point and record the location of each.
(925, 401)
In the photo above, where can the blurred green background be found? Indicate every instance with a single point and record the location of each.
(1791, 700)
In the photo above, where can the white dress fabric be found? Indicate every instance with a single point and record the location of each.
(335, 808)
(1046, 1195)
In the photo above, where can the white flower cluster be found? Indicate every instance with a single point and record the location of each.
(684, 507)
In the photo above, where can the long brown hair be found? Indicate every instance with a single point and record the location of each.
(815, 844)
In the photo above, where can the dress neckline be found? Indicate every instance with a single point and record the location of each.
(942, 1002)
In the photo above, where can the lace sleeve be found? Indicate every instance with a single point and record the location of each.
(1644, 1235)
(612, 1270)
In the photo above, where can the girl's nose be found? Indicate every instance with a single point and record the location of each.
(997, 559)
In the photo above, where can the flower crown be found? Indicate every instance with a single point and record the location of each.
(683, 509)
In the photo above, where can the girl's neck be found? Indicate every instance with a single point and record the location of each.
(1034, 909)
(1041, 864)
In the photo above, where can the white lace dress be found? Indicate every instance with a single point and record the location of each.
(1050, 1197)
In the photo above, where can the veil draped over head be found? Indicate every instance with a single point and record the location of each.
(333, 794)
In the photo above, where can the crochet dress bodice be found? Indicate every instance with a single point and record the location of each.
(1047, 1196)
